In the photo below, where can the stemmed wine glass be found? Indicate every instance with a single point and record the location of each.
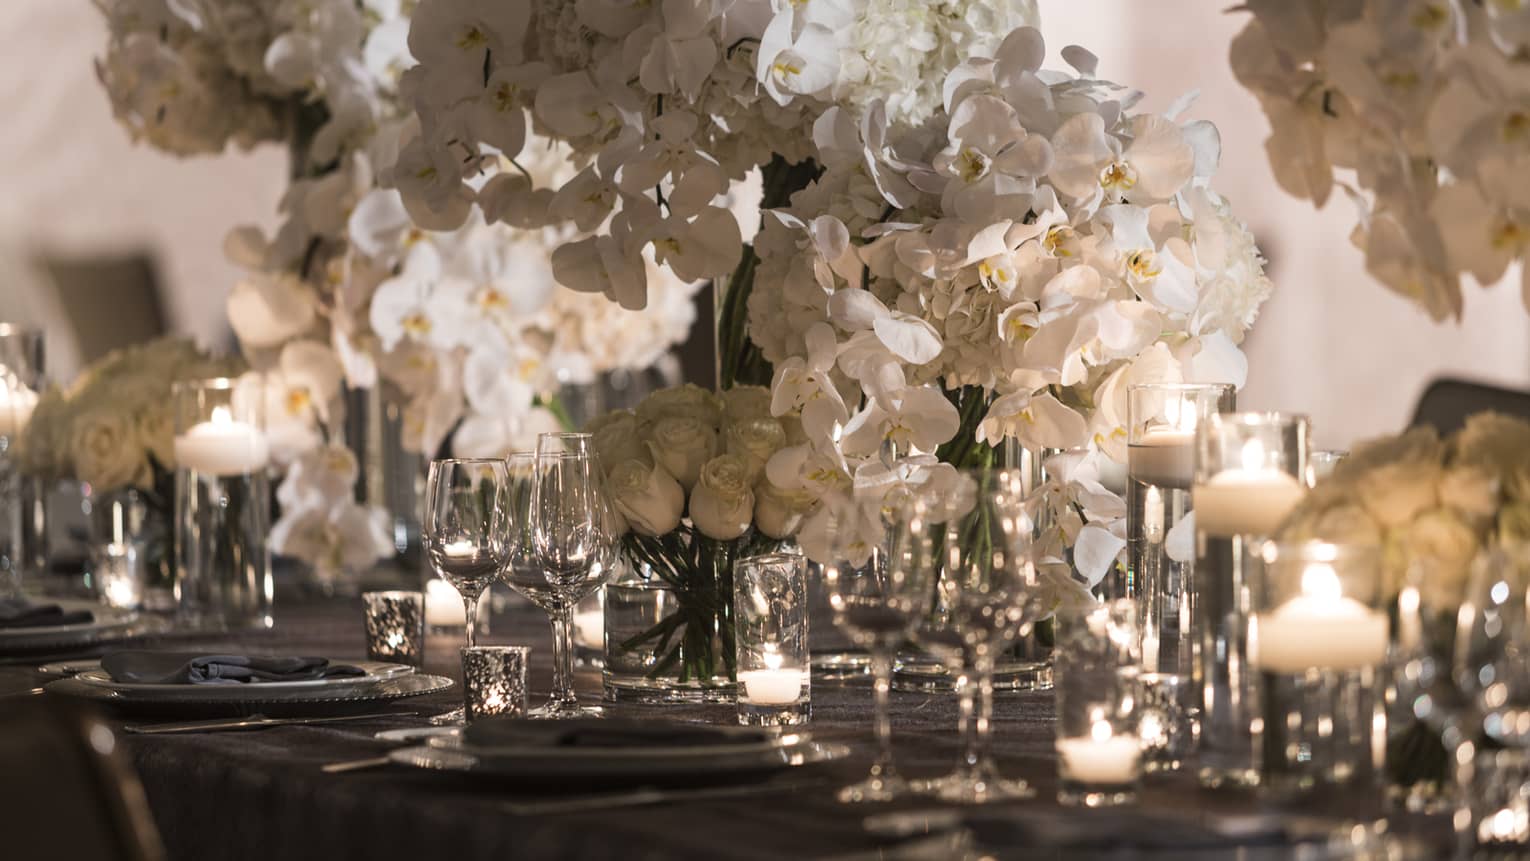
(572, 545)
(981, 536)
(466, 531)
(879, 588)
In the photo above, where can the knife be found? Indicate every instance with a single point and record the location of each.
(252, 722)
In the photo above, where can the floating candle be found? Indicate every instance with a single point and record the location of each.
(771, 687)
(1103, 759)
(222, 446)
(1165, 458)
(590, 629)
(1318, 629)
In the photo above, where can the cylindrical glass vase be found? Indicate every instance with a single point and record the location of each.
(1318, 636)
(1250, 471)
(770, 622)
(222, 504)
(1099, 751)
(23, 525)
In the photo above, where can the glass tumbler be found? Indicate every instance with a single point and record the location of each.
(770, 621)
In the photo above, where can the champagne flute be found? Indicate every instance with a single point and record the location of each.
(572, 544)
(879, 587)
(466, 531)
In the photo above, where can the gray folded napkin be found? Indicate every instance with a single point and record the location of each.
(602, 732)
(169, 668)
(21, 613)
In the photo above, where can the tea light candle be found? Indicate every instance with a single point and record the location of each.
(1163, 457)
(1103, 759)
(770, 687)
(16, 406)
(590, 629)
(1318, 629)
(222, 446)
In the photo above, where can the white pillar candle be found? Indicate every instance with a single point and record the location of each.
(771, 687)
(1103, 759)
(590, 629)
(16, 406)
(1163, 457)
(222, 446)
(1318, 629)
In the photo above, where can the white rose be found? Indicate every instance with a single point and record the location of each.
(1445, 544)
(616, 439)
(682, 444)
(1472, 491)
(746, 402)
(647, 496)
(778, 513)
(106, 451)
(722, 505)
(755, 440)
(1495, 441)
(1394, 494)
(156, 427)
(687, 400)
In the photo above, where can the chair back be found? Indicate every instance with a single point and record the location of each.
(1447, 403)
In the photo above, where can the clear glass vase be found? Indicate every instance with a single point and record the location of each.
(131, 561)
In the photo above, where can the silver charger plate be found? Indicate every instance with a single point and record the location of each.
(554, 765)
(227, 700)
(748, 744)
(109, 626)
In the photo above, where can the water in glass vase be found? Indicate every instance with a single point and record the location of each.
(223, 567)
(1231, 725)
(1160, 568)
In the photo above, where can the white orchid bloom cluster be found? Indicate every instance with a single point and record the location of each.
(191, 75)
(113, 427)
(322, 523)
(686, 453)
(1004, 271)
(663, 105)
(1420, 110)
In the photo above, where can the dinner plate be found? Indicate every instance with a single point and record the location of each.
(749, 744)
(109, 626)
(375, 671)
(556, 766)
(272, 700)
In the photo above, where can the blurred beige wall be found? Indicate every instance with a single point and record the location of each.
(74, 184)
(1332, 342)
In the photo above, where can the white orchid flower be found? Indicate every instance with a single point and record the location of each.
(482, 435)
(1038, 421)
(1091, 165)
(918, 419)
(266, 310)
(334, 538)
(319, 478)
(413, 305)
(794, 64)
(682, 51)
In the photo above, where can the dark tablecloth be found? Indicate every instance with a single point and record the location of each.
(261, 795)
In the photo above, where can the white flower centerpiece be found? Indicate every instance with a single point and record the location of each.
(113, 430)
(1431, 507)
(959, 248)
(355, 290)
(1419, 111)
(686, 470)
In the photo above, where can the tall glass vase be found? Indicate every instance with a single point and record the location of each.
(390, 476)
(222, 502)
(23, 510)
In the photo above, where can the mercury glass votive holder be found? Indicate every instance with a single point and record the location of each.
(222, 503)
(395, 623)
(1250, 472)
(494, 681)
(1318, 636)
(1099, 751)
(770, 620)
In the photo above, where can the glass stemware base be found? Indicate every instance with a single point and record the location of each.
(978, 785)
(878, 787)
(563, 712)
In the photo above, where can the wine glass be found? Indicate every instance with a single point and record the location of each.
(467, 524)
(980, 536)
(1492, 655)
(572, 545)
(879, 588)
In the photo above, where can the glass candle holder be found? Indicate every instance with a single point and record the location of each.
(771, 640)
(494, 681)
(22, 529)
(1099, 752)
(1160, 540)
(222, 503)
(1322, 463)
(395, 623)
(1250, 471)
(1318, 637)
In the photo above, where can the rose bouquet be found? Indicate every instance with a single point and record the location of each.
(1430, 507)
(686, 471)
